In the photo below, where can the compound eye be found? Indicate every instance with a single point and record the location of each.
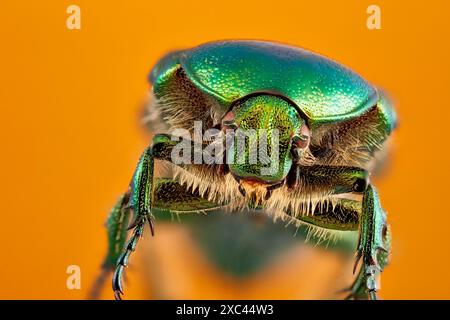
(228, 121)
(302, 139)
(360, 185)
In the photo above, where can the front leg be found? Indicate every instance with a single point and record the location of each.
(368, 217)
(141, 198)
(373, 247)
(116, 226)
(141, 204)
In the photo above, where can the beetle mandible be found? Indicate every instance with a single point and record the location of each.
(331, 127)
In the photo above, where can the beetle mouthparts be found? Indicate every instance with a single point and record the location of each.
(257, 191)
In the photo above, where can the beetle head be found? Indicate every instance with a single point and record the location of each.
(268, 135)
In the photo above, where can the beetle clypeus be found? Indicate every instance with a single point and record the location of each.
(330, 126)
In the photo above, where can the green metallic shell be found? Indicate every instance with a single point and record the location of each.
(322, 89)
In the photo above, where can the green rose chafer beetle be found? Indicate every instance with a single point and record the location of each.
(331, 125)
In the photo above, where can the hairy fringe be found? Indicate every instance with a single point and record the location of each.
(224, 190)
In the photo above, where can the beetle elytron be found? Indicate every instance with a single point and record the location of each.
(331, 125)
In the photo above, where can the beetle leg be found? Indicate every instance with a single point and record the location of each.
(169, 197)
(373, 246)
(116, 225)
(141, 202)
(374, 235)
(327, 179)
(343, 215)
(172, 197)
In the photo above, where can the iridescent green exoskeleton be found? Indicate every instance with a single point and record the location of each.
(329, 124)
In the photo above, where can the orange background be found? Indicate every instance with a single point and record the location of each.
(70, 101)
